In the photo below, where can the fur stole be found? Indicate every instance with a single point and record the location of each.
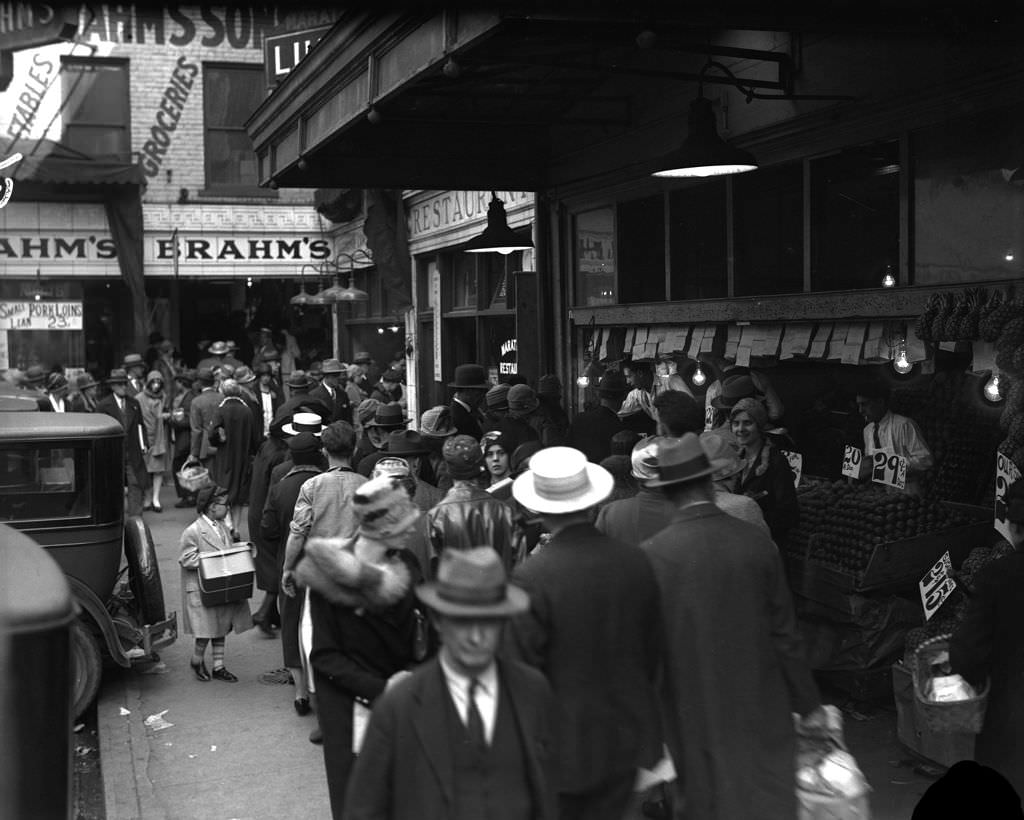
(331, 567)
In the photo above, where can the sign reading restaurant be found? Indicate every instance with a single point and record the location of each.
(451, 209)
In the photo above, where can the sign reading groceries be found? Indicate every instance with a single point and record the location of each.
(1006, 474)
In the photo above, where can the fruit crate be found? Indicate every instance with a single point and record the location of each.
(893, 566)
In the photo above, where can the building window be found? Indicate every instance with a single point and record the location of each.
(855, 217)
(595, 257)
(768, 225)
(95, 107)
(642, 249)
(464, 281)
(698, 242)
(230, 94)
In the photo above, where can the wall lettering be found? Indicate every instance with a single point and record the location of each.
(167, 115)
(453, 207)
(195, 249)
(40, 78)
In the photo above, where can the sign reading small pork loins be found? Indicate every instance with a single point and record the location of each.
(168, 113)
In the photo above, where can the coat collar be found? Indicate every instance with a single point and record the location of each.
(705, 509)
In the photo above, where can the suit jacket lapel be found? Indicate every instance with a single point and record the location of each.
(429, 722)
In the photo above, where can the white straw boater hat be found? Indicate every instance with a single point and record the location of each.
(561, 480)
(303, 423)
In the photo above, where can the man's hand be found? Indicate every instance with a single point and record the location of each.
(288, 583)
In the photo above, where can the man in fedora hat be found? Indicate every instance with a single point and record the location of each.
(264, 346)
(470, 385)
(469, 515)
(592, 430)
(409, 446)
(220, 354)
(299, 386)
(126, 410)
(386, 418)
(389, 388)
(592, 629)
(729, 722)
(84, 398)
(468, 735)
(201, 413)
(135, 366)
(33, 379)
(635, 519)
(436, 426)
(331, 391)
(759, 386)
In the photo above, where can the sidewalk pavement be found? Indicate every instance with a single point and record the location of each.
(240, 751)
(233, 750)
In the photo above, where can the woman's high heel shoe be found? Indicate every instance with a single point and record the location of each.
(200, 670)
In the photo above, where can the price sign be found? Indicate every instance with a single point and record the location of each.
(851, 461)
(1006, 474)
(709, 417)
(889, 468)
(796, 464)
(936, 586)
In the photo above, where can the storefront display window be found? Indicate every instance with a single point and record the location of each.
(697, 238)
(96, 112)
(230, 94)
(768, 243)
(463, 281)
(641, 244)
(855, 217)
(968, 199)
(595, 258)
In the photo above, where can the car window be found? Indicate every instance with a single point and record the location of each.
(42, 482)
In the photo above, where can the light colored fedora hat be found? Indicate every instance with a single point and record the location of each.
(561, 480)
(683, 459)
(472, 583)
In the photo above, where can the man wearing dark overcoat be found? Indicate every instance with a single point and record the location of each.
(200, 415)
(592, 629)
(331, 391)
(127, 411)
(734, 666)
(470, 386)
(465, 736)
(592, 430)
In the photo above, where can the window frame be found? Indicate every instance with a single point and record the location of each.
(123, 125)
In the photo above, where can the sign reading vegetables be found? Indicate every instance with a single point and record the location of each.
(889, 468)
(851, 461)
(1006, 474)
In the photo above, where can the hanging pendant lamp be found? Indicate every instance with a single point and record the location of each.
(704, 153)
(497, 237)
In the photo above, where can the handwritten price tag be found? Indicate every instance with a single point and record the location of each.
(936, 586)
(851, 461)
(889, 468)
(1006, 474)
(796, 464)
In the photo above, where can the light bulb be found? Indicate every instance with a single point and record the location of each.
(901, 364)
(698, 377)
(888, 281)
(583, 381)
(1009, 256)
(39, 298)
(380, 331)
(248, 281)
(991, 390)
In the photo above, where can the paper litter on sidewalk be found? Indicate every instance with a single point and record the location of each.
(156, 722)
(124, 712)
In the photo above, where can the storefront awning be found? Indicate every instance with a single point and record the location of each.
(51, 163)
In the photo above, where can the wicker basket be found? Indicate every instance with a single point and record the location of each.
(194, 477)
(949, 716)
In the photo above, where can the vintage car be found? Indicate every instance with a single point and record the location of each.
(61, 482)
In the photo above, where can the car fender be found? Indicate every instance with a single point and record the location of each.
(97, 612)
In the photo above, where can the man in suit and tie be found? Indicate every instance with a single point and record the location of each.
(466, 736)
(135, 366)
(470, 385)
(126, 410)
(331, 391)
(592, 629)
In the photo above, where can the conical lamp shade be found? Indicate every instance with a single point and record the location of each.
(336, 293)
(497, 237)
(704, 153)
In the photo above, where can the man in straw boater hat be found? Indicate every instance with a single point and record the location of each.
(592, 628)
(468, 735)
(988, 644)
(470, 385)
(733, 661)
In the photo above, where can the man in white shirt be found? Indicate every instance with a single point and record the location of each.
(894, 434)
(465, 736)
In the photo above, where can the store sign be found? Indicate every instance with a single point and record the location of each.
(509, 363)
(852, 458)
(454, 208)
(32, 246)
(283, 52)
(1006, 474)
(796, 464)
(435, 300)
(936, 586)
(241, 249)
(890, 469)
(32, 315)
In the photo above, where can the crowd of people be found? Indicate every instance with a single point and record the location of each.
(493, 611)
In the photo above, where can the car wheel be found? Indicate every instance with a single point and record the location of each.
(144, 571)
(86, 666)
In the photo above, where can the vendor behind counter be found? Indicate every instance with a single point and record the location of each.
(893, 433)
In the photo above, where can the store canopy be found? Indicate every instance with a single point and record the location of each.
(517, 99)
(51, 163)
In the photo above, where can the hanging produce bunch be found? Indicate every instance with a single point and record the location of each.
(841, 524)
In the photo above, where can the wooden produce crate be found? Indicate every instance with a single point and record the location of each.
(943, 748)
(893, 566)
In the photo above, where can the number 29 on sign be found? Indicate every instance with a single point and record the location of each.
(889, 468)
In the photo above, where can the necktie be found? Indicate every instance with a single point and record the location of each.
(474, 722)
(878, 441)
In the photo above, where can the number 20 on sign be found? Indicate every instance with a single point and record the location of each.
(851, 461)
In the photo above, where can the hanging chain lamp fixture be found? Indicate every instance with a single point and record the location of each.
(337, 293)
(303, 297)
(497, 237)
(704, 153)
